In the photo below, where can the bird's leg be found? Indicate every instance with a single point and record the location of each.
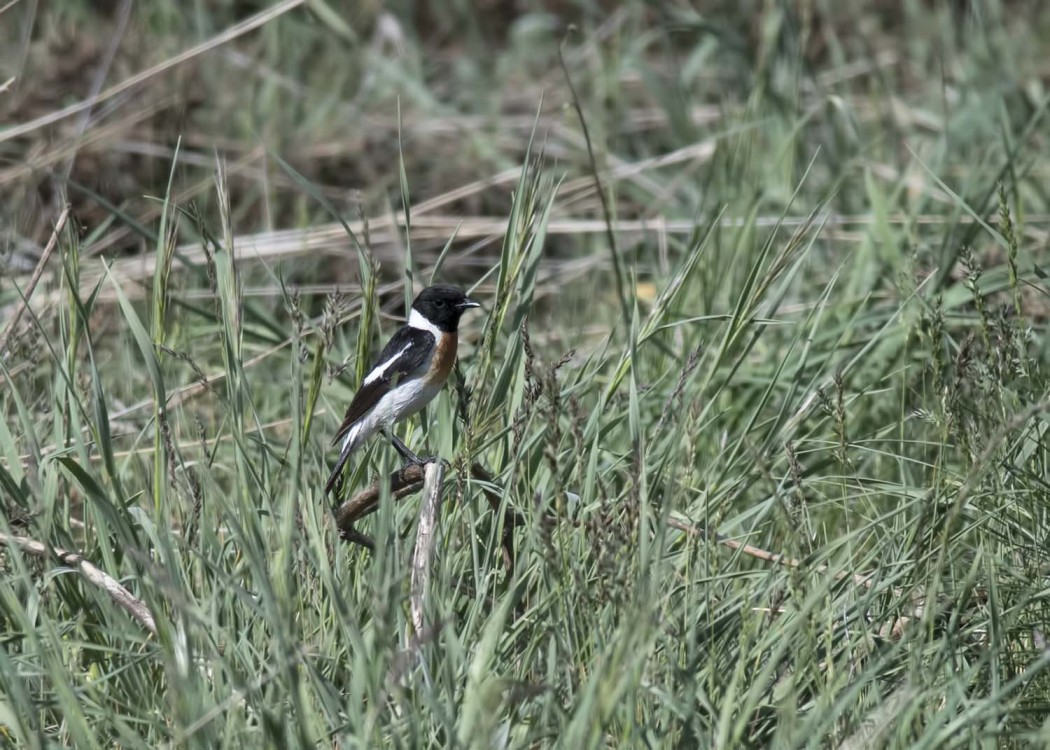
(408, 456)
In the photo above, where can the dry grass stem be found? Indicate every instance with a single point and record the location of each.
(426, 538)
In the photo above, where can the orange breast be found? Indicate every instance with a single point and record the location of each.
(444, 358)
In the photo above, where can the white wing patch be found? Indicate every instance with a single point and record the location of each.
(379, 370)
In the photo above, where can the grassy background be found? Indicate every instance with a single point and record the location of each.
(793, 294)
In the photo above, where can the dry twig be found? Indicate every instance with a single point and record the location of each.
(408, 480)
(405, 481)
(133, 606)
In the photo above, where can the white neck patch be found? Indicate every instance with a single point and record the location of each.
(416, 320)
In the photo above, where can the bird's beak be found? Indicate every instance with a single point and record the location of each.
(467, 303)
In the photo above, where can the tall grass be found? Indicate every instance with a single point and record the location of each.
(782, 476)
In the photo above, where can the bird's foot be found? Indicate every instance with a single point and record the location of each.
(420, 461)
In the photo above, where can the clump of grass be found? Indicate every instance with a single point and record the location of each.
(771, 474)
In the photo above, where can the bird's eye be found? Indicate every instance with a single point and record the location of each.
(439, 303)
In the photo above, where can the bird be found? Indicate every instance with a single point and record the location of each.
(408, 373)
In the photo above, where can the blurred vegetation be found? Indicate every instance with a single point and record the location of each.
(762, 367)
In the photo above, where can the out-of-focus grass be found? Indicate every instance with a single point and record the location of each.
(832, 346)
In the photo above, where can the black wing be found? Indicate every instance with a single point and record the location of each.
(406, 351)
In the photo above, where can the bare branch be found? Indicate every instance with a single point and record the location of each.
(404, 481)
(133, 606)
(408, 480)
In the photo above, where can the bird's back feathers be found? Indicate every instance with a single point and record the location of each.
(405, 353)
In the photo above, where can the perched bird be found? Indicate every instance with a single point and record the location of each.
(407, 375)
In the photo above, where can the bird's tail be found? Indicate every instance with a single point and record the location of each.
(349, 445)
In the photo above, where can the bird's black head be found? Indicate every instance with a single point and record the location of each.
(442, 305)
